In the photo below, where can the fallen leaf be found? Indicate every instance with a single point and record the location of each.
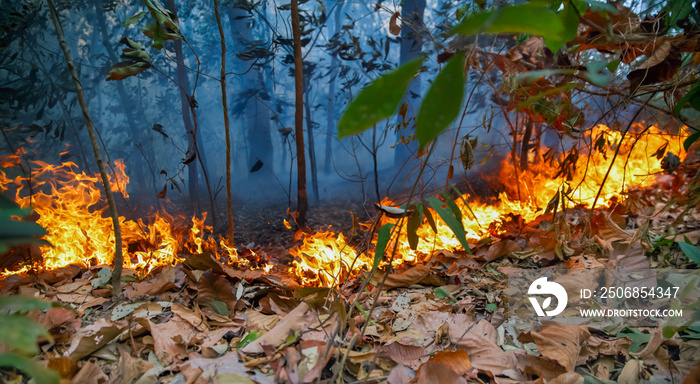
(169, 277)
(567, 378)
(401, 354)
(198, 370)
(90, 374)
(630, 373)
(561, 343)
(457, 360)
(394, 27)
(170, 338)
(480, 343)
(432, 372)
(130, 369)
(214, 290)
(93, 337)
(301, 317)
(61, 323)
(400, 375)
(190, 316)
(420, 274)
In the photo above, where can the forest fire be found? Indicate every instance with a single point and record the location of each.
(59, 194)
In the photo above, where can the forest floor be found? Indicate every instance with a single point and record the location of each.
(444, 320)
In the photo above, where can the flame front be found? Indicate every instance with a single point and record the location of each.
(69, 205)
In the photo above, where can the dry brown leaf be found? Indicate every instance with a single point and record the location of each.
(74, 298)
(559, 342)
(400, 375)
(630, 373)
(598, 346)
(660, 54)
(93, 337)
(61, 323)
(130, 369)
(420, 274)
(480, 344)
(65, 366)
(215, 288)
(311, 364)
(567, 378)
(256, 321)
(201, 370)
(693, 377)
(90, 374)
(170, 338)
(394, 27)
(190, 316)
(457, 360)
(72, 287)
(500, 249)
(169, 277)
(432, 373)
(401, 354)
(543, 367)
(301, 317)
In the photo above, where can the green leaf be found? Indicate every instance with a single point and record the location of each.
(134, 19)
(15, 228)
(449, 218)
(569, 19)
(595, 75)
(429, 217)
(125, 69)
(414, 222)
(692, 97)
(20, 333)
(249, 338)
(638, 338)
(102, 279)
(161, 15)
(491, 307)
(440, 293)
(442, 102)
(691, 251)
(523, 18)
(382, 241)
(22, 304)
(690, 140)
(532, 99)
(378, 100)
(612, 66)
(39, 373)
(220, 307)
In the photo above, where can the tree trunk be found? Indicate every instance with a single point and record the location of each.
(118, 257)
(224, 105)
(411, 46)
(331, 121)
(186, 116)
(312, 147)
(302, 200)
(126, 101)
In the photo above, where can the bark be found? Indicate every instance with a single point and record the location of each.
(118, 257)
(302, 200)
(136, 134)
(224, 105)
(411, 46)
(186, 115)
(312, 147)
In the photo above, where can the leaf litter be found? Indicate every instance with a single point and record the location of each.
(442, 321)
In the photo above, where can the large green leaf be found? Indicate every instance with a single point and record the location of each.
(378, 100)
(39, 373)
(449, 218)
(569, 18)
(12, 304)
(443, 101)
(524, 18)
(19, 333)
(692, 97)
(382, 241)
(125, 69)
(691, 251)
(161, 15)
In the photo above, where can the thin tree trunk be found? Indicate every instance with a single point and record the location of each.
(118, 258)
(312, 146)
(302, 200)
(186, 116)
(224, 104)
(131, 118)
